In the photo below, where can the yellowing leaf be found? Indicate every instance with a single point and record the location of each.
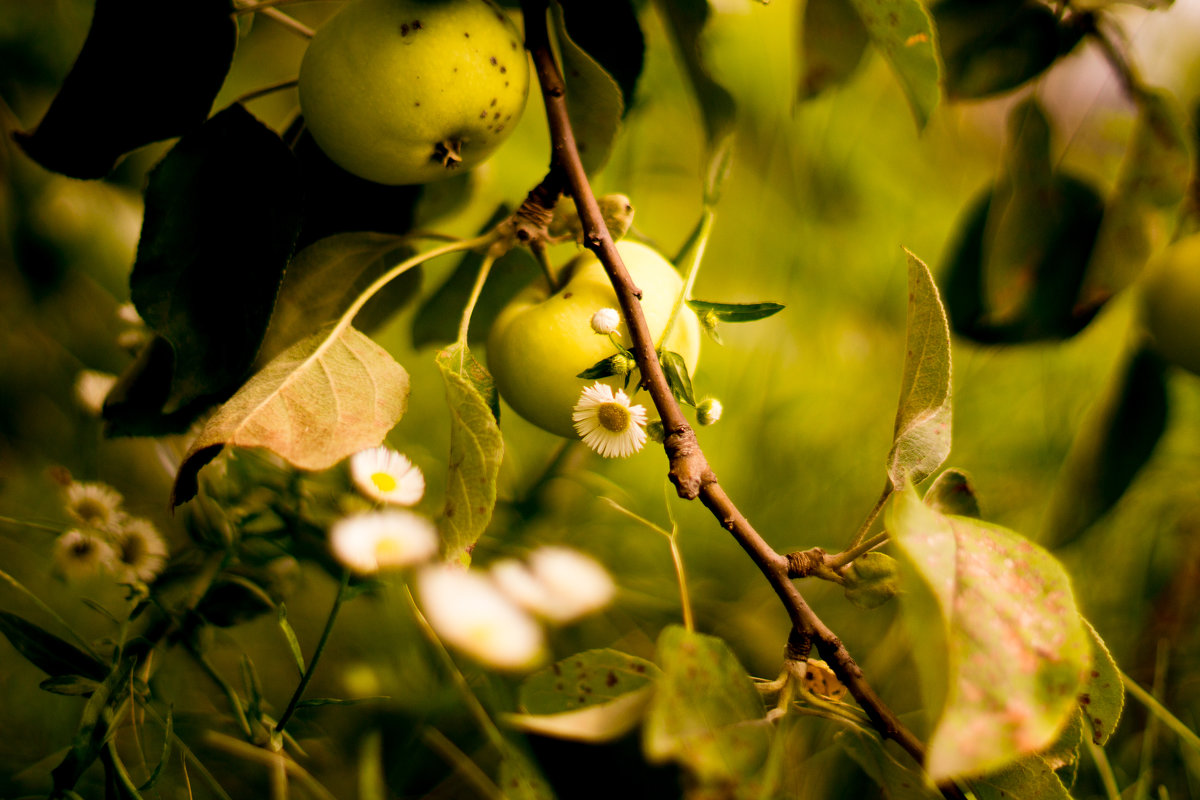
(316, 403)
(1016, 651)
(921, 440)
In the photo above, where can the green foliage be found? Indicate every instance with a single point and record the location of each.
(952, 494)
(872, 579)
(903, 33)
(47, 652)
(832, 41)
(594, 100)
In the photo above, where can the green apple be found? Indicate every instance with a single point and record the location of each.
(1171, 302)
(540, 342)
(410, 91)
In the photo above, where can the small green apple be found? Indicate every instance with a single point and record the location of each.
(540, 342)
(410, 91)
(1171, 302)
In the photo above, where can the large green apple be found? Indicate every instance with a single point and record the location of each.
(1171, 302)
(540, 342)
(410, 91)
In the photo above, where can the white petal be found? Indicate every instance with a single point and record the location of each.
(578, 583)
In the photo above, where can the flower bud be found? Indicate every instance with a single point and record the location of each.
(871, 580)
(606, 320)
(709, 411)
(654, 430)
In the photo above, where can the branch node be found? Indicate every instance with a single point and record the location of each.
(803, 563)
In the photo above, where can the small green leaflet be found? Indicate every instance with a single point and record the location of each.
(677, 377)
(735, 312)
(594, 101)
(1015, 651)
(921, 440)
(290, 635)
(1103, 696)
(606, 367)
(903, 33)
(476, 450)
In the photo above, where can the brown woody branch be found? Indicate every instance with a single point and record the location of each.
(689, 469)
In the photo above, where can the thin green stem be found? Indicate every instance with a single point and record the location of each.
(685, 601)
(1158, 710)
(316, 656)
(270, 760)
(186, 752)
(119, 767)
(871, 517)
(1100, 758)
(538, 248)
(231, 695)
(484, 270)
(37, 526)
(437, 741)
(704, 230)
(20, 587)
(291, 23)
(266, 90)
(844, 558)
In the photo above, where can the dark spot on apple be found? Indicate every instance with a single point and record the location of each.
(610, 679)
(418, 103)
(502, 71)
(493, 102)
(506, 83)
(493, 61)
(513, 45)
(568, 295)
(416, 25)
(404, 29)
(466, 34)
(483, 115)
(499, 128)
(496, 116)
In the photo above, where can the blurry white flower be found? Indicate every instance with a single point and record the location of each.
(97, 505)
(576, 583)
(79, 553)
(607, 423)
(469, 613)
(606, 320)
(128, 313)
(387, 476)
(383, 540)
(519, 584)
(91, 389)
(140, 550)
(709, 411)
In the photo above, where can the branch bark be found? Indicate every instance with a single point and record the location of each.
(689, 469)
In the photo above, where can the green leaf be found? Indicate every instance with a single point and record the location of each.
(289, 634)
(611, 34)
(1063, 755)
(72, 685)
(476, 450)
(318, 702)
(904, 34)
(832, 42)
(233, 600)
(921, 440)
(900, 781)
(324, 279)
(594, 102)
(1012, 652)
(1140, 216)
(952, 494)
(46, 651)
(686, 19)
(1114, 441)
(317, 402)
(872, 579)
(199, 282)
(677, 376)
(1103, 696)
(168, 736)
(1028, 779)
(704, 710)
(594, 696)
(606, 367)
(735, 312)
(519, 775)
(131, 85)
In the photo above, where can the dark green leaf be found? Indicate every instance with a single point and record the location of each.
(437, 318)
(230, 603)
(899, 780)
(832, 42)
(47, 652)
(609, 32)
(686, 20)
(703, 710)
(1003, 651)
(607, 367)
(140, 78)
(594, 101)
(735, 312)
(476, 450)
(1114, 441)
(318, 402)
(201, 283)
(324, 279)
(952, 494)
(317, 702)
(74, 685)
(903, 33)
(677, 376)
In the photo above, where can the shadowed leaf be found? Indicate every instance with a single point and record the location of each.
(903, 33)
(686, 20)
(47, 652)
(676, 372)
(832, 42)
(316, 403)
(899, 780)
(609, 32)
(1028, 779)
(952, 494)
(735, 312)
(594, 102)
(519, 775)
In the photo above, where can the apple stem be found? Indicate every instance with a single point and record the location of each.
(538, 248)
(484, 270)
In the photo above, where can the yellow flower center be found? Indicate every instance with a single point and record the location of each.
(383, 481)
(614, 417)
(388, 549)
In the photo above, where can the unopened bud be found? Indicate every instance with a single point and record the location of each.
(872, 579)
(605, 320)
(709, 411)
(654, 430)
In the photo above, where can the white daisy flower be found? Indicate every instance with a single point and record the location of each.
(520, 585)
(97, 505)
(141, 551)
(387, 476)
(469, 613)
(607, 423)
(577, 584)
(92, 388)
(367, 543)
(606, 320)
(79, 553)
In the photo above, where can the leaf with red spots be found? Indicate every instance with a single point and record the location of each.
(1103, 695)
(1002, 650)
(595, 696)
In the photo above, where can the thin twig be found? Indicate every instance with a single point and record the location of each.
(316, 656)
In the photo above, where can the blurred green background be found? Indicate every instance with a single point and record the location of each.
(822, 197)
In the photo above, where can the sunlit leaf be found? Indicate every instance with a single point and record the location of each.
(140, 78)
(325, 278)
(832, 42)
(1011, 653)
(46, 651)
(899, 780)
(903, 33)
(921, 440)
(1113, 442)
(1103, 696)
(680, 382)
(951, 494)
(594, 102)
(316, 403)
(703, 711)
(686, 20)
(735, 312)
(1028, 779)
(1140, 216)
(476, 450)
(289, 635)
(520, 777)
